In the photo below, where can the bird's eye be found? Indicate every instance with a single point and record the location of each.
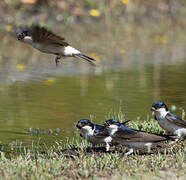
(158, 105)
(20, 36)
(26, 33)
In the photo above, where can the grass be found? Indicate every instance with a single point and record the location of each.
(70, 160)
(53, 164)
(73, 160)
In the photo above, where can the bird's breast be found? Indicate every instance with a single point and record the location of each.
(96, 140)
(49, 48)
(133, 144)
(165, 124)
(181, 132)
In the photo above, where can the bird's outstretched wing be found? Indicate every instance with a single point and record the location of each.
(42, 35)
(172, 118)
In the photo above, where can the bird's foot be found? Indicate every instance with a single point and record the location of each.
(57, 60)
(172, 142)
(178, 138)
(107, 147)
(130, 151)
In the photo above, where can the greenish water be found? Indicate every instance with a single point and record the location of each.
(36, 94)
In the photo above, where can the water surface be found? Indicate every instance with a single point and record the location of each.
(36, 94)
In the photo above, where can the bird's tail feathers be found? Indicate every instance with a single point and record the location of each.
(125, 122)
(87, 58)
(172, 137)
(169, 137)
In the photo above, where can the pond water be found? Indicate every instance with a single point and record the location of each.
(128, 77)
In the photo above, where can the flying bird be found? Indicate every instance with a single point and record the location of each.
(46, 41)
(169, 121)
(134, 139)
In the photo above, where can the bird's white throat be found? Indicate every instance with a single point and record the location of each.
(112, 129)
(28, 39)
(87, 130)
(161, 113)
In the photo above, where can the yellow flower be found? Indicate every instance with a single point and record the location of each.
(94, 12)
(95, 56)
(49, 81)
(122, 51)
(28, 1)
(8, 28)
(162, 39)
(20, 67)
(125, 1)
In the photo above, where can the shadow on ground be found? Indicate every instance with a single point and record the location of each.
(121, 150)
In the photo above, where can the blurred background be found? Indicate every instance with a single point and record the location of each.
(140, 52)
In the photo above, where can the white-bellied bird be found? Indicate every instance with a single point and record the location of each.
(169, 121)
(133, 139)
(46, 41)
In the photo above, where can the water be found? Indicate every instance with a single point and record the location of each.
(36, 94)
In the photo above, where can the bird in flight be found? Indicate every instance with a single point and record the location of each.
(46, 41)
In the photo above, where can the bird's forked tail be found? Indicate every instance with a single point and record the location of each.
(87, 58)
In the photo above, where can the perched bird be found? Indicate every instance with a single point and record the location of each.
(169, 121)
(48, 42)
(94, 133)
(134, 139)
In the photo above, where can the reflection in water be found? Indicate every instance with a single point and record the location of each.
(36, 94)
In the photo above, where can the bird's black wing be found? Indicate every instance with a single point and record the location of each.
(172, 118)
(138, 136)
(125, 122)
(101, 134)
(100, 131)
(42, 35)
(98, 128)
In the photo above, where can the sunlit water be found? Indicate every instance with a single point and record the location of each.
(36, 94)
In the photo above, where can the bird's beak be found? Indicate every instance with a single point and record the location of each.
(152, 109)
(20, 36)
(105, 123)
(78, 126)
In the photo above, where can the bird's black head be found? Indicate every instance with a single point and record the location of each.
(157, 105)
(109, 122)
(84, 122)
(23, 32)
